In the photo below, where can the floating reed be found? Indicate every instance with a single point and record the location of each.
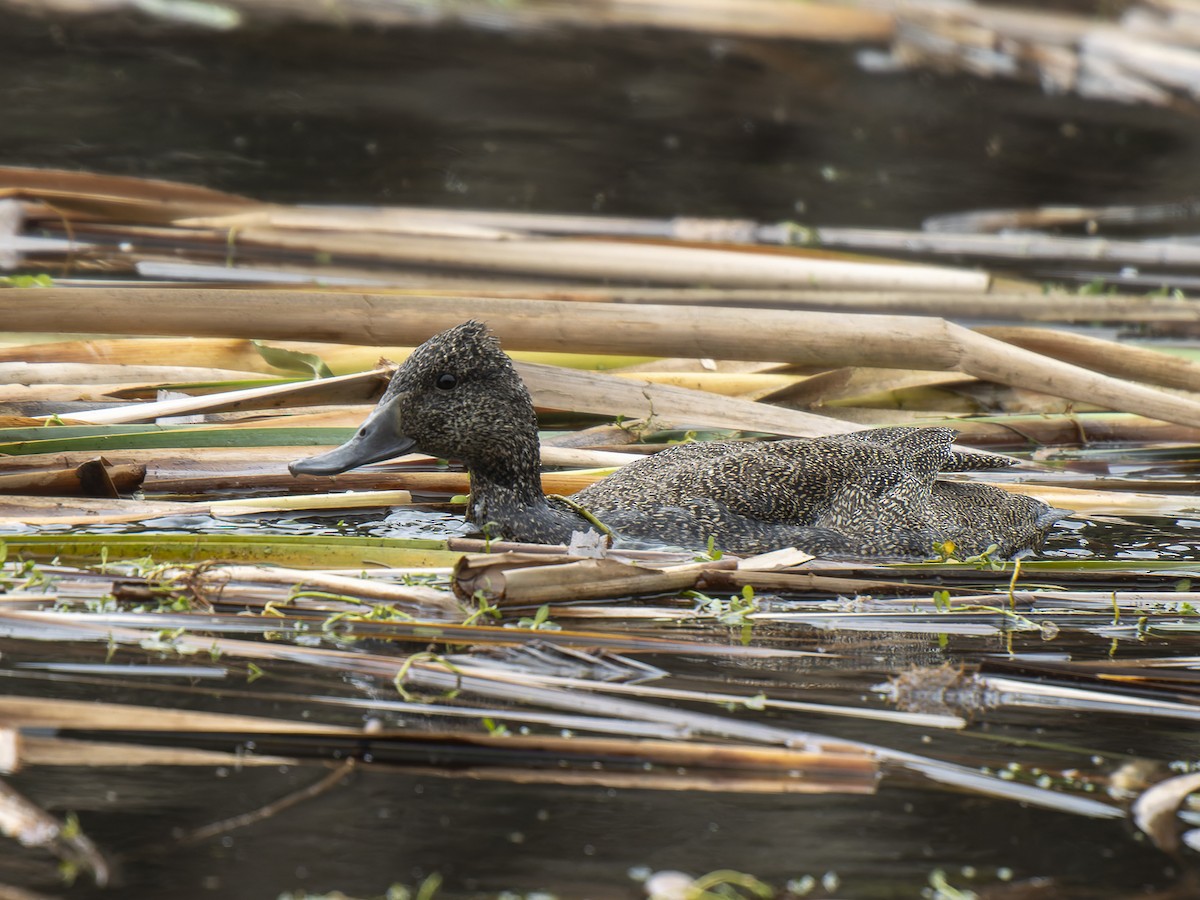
(806, 338)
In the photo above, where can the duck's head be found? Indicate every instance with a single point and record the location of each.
(457, 396)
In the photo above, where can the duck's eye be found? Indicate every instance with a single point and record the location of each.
(446, 382)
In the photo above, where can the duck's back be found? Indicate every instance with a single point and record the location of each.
(860, 494)
(796, 481)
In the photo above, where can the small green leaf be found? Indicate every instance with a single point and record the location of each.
(496, 729)
(293, 360)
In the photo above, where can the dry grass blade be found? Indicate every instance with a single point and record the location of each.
(1019, 692)
(679, 765)
(96, 373)
(1025, 247)
(919, 720)
(79, 715)
(1033, 432)
(27, 823)
(1149, 58)
(1154, 811)
(993, 360)
(1005, 302)
(408, 319)
(747, 385)
(339, 389)
(31, 509)
(243, 355)
(237, 355)
(592, 392)
(846, 385)
(116, 196)
(54, 751)
(457, 482)
(769, 19)
(210, 583)
(622, 260)
(271, 809)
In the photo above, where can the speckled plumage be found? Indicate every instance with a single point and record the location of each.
(868, 494)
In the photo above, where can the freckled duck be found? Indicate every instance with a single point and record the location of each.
(867, 494)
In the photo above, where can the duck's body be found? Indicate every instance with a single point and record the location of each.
(868, 494)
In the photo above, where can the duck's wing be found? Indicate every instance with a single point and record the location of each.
(801, 481)
(663, 479)
(921, 451)
(964, 461)
(927, 450)
(783, 481)
(885, 437)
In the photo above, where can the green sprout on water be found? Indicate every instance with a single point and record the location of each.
(734, 611)
(402, 675)
(711, 552)
(375, 612)
(944, 890)
(484, 607)
(491, 534)
(494, 728)
(539, 621)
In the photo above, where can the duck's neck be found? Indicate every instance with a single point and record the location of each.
(507, 500)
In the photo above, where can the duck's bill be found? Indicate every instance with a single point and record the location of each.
(378, 439)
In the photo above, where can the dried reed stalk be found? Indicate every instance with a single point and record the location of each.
(529, 580)
(1109, 357)
(807, 338)
(210, 584)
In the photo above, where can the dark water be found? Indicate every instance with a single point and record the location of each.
(382, 824)
(484, 838)
(628, 123)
